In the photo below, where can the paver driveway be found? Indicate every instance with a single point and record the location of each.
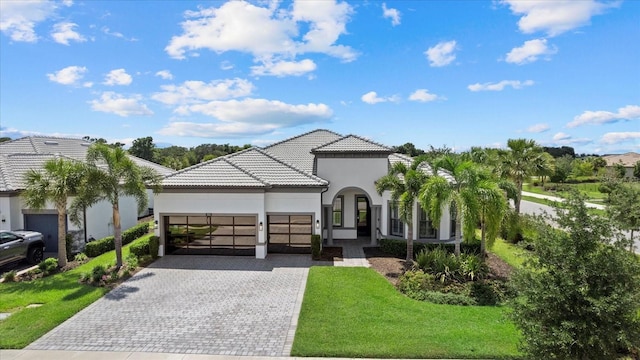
(194, 304)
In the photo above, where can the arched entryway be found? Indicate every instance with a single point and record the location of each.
(351, 214)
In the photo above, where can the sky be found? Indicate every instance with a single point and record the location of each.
(454, 73)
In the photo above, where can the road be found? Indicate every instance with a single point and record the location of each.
(528, 207)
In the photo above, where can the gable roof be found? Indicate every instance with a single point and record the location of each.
(297, 150)
(253, 167)
(352, 144)
(627, 160)
(68, 147)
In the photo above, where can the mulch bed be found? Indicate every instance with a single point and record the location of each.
(331, 253)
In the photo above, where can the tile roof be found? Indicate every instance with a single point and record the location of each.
(297, 150)
(627, 160)
(252, 167)
(351, 144)
(13, 168)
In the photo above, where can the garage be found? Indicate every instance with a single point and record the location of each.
(211, 234)
(47, 224)
(289, 233)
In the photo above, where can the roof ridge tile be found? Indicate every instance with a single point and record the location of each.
(252, 175)
(301, 135)
(314, 177)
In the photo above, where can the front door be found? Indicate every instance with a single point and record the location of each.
(363, 216)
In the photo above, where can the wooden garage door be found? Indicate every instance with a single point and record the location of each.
(289, 233)
(214, 235)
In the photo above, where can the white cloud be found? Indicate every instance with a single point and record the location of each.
(64, 31)
(556, 17)
(117, 77)
(284, 68)
(530, 51)
(372, 98)
(560, 139)
(266, 32)
(629, 112)
(18, 19)
(246, 117)
(119, 35)
(423, 95)
(226, 65)
(441, 54)
(499, 86)
(191, 92)
(70, 75)
(17, 133)
(392, 14)
(617, 137)
(538, 128)
(111, 102)
(165, 74)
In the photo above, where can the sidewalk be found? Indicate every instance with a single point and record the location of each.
(554, 198)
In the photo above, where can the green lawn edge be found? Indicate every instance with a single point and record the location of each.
(355, 312)
(61, 296)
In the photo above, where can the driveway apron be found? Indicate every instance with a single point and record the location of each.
(194, 305)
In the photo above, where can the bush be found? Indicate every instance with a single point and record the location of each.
(140, 248)
(9, 276)
(484, 293)
(398, 248)
(81, 258)
(106, 244)
(473, 267)
(97, 273)
(316, 246)
(415, 281)
(131, 262)
(154, 246)
(68, 242)
(447, 298)
(48, 266)
(443, 265)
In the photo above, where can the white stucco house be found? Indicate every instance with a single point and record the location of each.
(272, 199)
(20, 155)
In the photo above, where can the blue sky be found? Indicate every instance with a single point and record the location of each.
(461, 74)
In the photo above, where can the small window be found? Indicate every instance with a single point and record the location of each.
(454, 214)
(396, 226)
(426, 230)
(338, 210)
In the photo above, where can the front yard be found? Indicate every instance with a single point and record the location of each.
(356, 312)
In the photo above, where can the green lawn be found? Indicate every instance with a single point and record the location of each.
(508, 252)
(61, 296)
(355, 312)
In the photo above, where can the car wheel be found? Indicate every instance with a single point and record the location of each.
(36, 254)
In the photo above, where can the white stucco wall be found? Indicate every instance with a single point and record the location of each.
(352, 173)
(444, 229)
(295, 202)
(6, 217)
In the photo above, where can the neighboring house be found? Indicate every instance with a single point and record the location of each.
(272, 199)
(19, 156)
(627, 160)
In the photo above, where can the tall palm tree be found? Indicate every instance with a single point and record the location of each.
(519, 163)
(404, 183)
(59, 179)
(492, 196)
(460, 191)
(112, 174)
(544, 165)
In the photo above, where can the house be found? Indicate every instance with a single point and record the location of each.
(20, 155)
(272, 199)
(627, 160)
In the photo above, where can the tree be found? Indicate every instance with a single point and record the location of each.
(519, 163)
(579, 292)
(598, 163)
(460, 192)
(544, 166)
(4, 138)
(408, 149)
(404, 183)
(112, 174)
(143, 148)
(492, 207)
(557, 152)
(636, 170)
(59, 179)
(564, 168)
(624, 208)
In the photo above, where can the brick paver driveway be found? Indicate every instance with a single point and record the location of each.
(194, 304)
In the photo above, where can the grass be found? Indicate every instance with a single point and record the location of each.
(355, 312)
(61, 296)
(509, 253)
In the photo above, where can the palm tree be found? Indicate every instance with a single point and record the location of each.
(112, 174)
(59, 179)
(492, 196)
(460, 192)
(404, 182)
(518, 163)
(544, 165)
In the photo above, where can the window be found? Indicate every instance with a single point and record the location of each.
(453, 213)
(396, 226)
(426, 230)
(338, 211)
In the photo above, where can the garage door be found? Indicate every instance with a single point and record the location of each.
(289, 233)
(211, 235)
(47, 224)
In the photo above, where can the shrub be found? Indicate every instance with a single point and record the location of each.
(106, 244)
(447, 298)
(415, 281)
(154, 246)
(140, 248)
(81, 258)
(68, 242)
(134, 233)
(316, 246)
(48, 266)
(473, 267)
(484, 293)
(97, 273)
(131, 262)
(85, 277)
(9, 276)
(398, 248)
(511, 227)
(444, 265)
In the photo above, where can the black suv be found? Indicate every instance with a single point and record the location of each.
(18, 245)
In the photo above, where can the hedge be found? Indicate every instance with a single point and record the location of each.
(398, 248)
(146, 247)
(106, 244)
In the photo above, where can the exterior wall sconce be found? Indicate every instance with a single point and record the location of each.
(155, 224)
(317, 224)
(260, 227)
(3, 219)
